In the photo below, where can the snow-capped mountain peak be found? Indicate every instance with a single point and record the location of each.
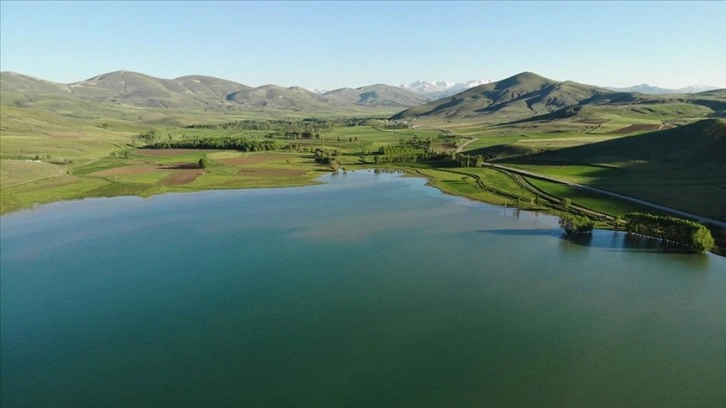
(441, 89)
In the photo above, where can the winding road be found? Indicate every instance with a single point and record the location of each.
(463, 145)
(695, 217)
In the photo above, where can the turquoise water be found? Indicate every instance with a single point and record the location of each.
(372, 290)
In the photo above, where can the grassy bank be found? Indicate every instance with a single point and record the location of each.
(47, 157)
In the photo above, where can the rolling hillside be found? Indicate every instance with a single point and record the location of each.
(700, 143)
(131, 88)
(278, 98)
(197, 92)
(14, 85)
(378, 95)
(121, 88)
(206, 87)
(530, 97)
(649, 89)
(524, 94)
(682, 167)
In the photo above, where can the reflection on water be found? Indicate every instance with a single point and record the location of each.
(524, 232)
(369, 290)
(605, 239)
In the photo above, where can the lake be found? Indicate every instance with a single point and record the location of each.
(371, 290)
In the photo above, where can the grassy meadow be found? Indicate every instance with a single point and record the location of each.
(95, 150)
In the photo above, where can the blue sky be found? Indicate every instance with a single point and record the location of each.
(335, 44)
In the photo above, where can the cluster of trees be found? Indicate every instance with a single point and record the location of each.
(467, 160)
(149, 136)
(308, 135)
(314, 125)
(448, 137)
(690, 234)
(329, 157)
(576, 224)
(401, 154)
(222, 143)
(307, 128)
(409, 150)
(355, 121)
(325, 156)
(418, 142)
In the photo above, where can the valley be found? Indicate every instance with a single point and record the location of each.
(125, 133)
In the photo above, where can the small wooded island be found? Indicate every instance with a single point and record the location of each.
(691, 235)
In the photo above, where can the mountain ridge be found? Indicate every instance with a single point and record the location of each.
(529, 96)
(526, 93)
(198, 91)
(655, 90)
(523, 95)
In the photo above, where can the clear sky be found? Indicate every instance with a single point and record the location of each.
(336, 44)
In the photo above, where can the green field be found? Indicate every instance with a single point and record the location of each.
(47, 157)
(55, 149)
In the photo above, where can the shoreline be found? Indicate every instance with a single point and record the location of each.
(405, 172)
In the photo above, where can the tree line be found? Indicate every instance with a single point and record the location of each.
(221, 143)
(690, 234)
(312, 124)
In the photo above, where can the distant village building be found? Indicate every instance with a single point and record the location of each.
(397, 124)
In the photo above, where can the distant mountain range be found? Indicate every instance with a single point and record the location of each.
(528, 95)
(196, 91)
(654, 90)
(525, 96)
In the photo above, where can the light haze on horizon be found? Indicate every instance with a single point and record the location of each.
(329, 45)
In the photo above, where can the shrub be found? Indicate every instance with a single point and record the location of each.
(576, 225)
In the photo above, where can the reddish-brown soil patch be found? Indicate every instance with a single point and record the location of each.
(179, 166)
(146, 168)
(166, 152)
(249, 159)
(271, 172)
(180, 177)
(635, 128)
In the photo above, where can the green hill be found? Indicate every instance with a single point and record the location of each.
(716, 93)
(683, 167)
(14, 85)
(274, 97)
(522, 95)
(120, 88)
(700, 143)
(206, 87)
(528, 97)
(131, 88)
(375, 95)
(197, 92)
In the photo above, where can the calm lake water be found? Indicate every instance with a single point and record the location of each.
(372, 290)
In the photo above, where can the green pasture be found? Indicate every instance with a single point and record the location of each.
(462, 185)
(587, 199)
(91, 138)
